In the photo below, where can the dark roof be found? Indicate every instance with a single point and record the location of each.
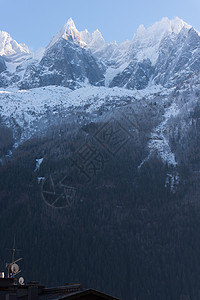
(35, 291)
(59, 291)
(88, 292)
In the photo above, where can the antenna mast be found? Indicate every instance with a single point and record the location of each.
(13, 268)
(13, 250)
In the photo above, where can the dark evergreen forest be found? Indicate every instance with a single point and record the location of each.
(122, 230)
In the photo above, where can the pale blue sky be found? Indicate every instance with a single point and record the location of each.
(34, 22)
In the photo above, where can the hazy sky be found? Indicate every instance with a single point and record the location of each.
(34, 22)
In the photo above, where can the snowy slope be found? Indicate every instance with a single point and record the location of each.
(159, 143)
(26, 108)
(33, 110)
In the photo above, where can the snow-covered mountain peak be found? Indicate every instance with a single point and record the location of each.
(97, 33)
(177, 24)
(93, 41)
(68, 31)
(147, 40)
(174, 25)
(141, 30)
(88, 37)
(70, 25)
(84, 38)
(159, 29)
(8, 46)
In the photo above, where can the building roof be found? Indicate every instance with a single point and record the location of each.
(88, 294)
(35, 291)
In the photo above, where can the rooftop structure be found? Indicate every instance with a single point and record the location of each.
(34, 291)
(14, 288)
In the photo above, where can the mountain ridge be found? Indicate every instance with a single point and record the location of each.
(138, 58)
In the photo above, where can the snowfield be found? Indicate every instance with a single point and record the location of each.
(25, 108)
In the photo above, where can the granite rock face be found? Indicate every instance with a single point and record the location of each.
(135, 76)
(178, 58)
(65, 64)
